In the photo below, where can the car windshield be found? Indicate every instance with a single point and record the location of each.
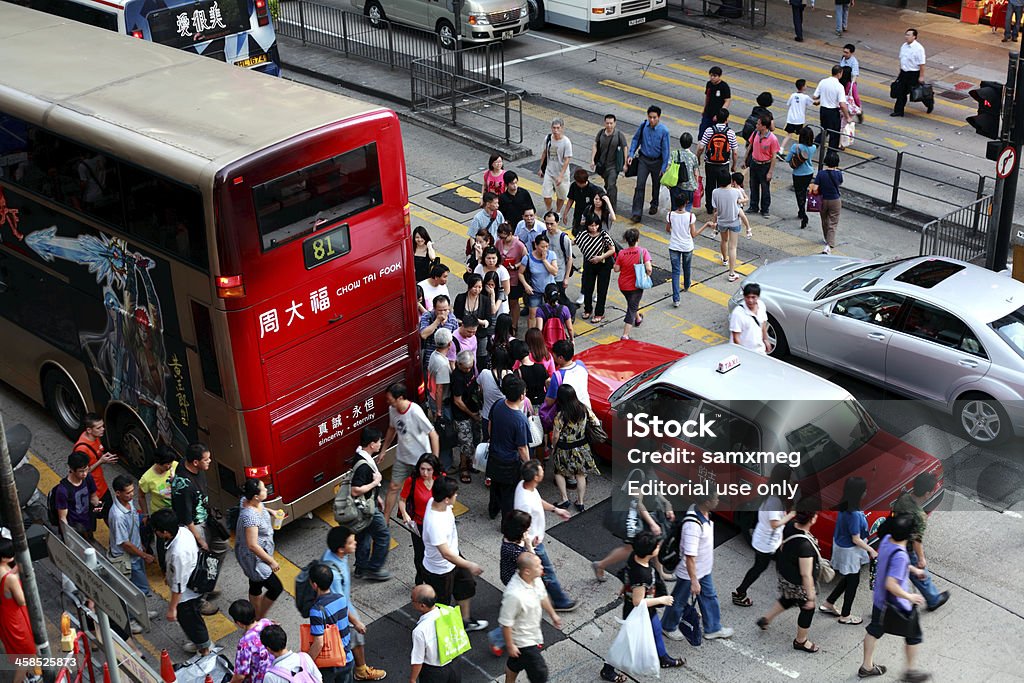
(830, 436)
(1011, 329)
(634, 382)
(856, 279)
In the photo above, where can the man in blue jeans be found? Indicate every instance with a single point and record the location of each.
(693, 575)
(1014, 13)
(650, 150)
(528, 500)
(373, 542)
(912, 503)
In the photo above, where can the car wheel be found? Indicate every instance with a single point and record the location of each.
(64, 403)
(536, 14)
(446, 34)
(136, 452)
(780, 347)
(983, 420)
(375, 13)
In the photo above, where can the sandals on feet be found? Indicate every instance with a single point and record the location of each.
(598, 572)
(465, 478)
(806, 646)
(741, 600)
(613, 677)
(831, 611)
(876, 670)
(672, 662)
(639, 320)
(598, 319)
(586, 316)
(852, 621)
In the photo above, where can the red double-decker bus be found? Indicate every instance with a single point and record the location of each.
(200, 252)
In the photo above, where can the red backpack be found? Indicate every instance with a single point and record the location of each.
(554, 324)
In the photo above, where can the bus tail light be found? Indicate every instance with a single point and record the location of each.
(230, 286)
(263, 474)
(407, 218)
(262, 15)
(137, 33)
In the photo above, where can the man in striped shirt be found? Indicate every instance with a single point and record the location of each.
(329, 609)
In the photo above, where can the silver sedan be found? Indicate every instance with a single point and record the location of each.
(934, 329)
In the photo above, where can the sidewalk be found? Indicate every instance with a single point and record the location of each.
(958, 54)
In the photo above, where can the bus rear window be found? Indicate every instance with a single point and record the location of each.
(185, 25)
(316, 196)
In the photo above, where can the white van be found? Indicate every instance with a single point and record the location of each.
(482, 20)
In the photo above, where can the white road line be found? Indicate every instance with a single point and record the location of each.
(758, 658)
(553, 53)
(531, 34)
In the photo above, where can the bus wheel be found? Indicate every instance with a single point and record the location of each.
(536, 14)
(64, 402)
(375, 13)
(446, 34)
(136, 452)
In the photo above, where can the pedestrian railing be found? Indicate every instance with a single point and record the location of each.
(753, 12)
(960, 234)
(464, 87)
(899, 174)
(354, 34)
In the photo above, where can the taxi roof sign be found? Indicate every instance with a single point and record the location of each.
(728, 363)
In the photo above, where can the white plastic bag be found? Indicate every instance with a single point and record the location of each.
(633, 652)
(480, 456)
(536, 431)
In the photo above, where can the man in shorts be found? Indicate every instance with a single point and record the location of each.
(892, 584)
(725, 203)
(555, 155)
(415, 436)
(452, 576)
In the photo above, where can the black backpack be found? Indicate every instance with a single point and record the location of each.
(51, 504)
(671, 554)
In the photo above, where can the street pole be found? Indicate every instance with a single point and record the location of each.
(104, 621)
(1005, 193)
(12, 514)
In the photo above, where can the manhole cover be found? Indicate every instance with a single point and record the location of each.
(963, 85)
(954, 95)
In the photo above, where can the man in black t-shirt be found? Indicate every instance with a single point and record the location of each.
(514, 201)
(466, 410)
(717, 96)
(580, 198)
(374, 542)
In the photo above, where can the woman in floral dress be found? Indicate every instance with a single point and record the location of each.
(572, 455)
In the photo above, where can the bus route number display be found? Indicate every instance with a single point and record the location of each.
(324, 246)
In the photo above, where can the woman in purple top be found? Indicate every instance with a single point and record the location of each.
(892, 592)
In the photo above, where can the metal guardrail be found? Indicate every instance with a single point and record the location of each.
(755, 12)
(355, 34)
(466, 85)
(889, 166)
(961, 234)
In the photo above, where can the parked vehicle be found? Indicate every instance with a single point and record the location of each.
(482, 20)
(596, 17)
(940, 330)
(758, 405)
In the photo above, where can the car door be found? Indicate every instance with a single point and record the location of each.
(408, 12)
(852, 332)
(931, 352)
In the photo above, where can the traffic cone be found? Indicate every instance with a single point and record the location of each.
(167, 674)
(209, 679)
(106, 673)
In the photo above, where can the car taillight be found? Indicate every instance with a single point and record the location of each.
(230, 287)
(422, 392)
(262, 15)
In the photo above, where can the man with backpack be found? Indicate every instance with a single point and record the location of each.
(650, 150)
(73, 501)
(556, 317)
(488, 217)
(374, 542)
(288, 666)
(693, 574)
(561, 245)
(329, 610)
(718, 146)
(182, 556)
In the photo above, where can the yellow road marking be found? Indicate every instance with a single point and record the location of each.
(695, 331)
(606, 339)
(594, 97)
(803, 66)
(571, 122)
(710, 293)
(690, 86)
(958, 123)
(650, 94)
(895, 143)
(463, 191)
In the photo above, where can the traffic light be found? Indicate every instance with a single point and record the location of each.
(989, 96)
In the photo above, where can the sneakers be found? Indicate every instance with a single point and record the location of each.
(673, 635)
(136, 628)
(653, 210)
(580, 507)
(476, 625)
(368, 673)
(379, 575)
(675, 304)
(190, 648)
(207, 608)
(723, 632)
(943, 599)
(826, 250)
(912, 676)
(579, 299)
(567, 607)
(564, 505)
(497, 651)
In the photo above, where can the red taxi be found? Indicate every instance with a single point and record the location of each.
(760, 405)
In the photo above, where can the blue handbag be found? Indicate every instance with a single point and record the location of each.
(690, 624)
(643, 280)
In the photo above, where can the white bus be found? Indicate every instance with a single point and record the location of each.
(596, 17)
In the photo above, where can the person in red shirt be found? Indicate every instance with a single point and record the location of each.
(15, 629)
(763, 147)
(90, 442)
(413, 501)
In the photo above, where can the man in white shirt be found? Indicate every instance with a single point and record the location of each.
(528, 500)
(849, 60)
(425, 659)
(434, 285)
(912, 60)
(693, 574)
(452, 576)
(831, 95)
(748, 322)
(286, 663)
(555, 155)
(528, 228)
(182, 555)
(415, 436)
(522, 609)
(571, 372)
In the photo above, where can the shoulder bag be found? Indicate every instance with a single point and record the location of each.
(595, 430)
(353, 512)
(825, 573)
(670, 178)
(332, 654)
(643, 280)
(544, 160)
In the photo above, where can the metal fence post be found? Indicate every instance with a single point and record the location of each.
(344, 31)
(451, 92)
(751, 10)
(508, 132)
(896, 180)
(391, 47)
(302, 21)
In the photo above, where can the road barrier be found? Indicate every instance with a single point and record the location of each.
(960, 234)
(753, 12)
